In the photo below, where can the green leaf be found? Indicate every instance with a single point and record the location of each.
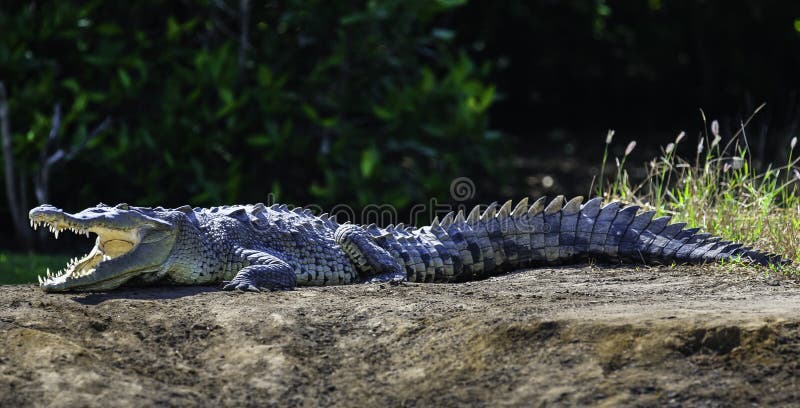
(276, 190)
(259, 140)
(173, 29)
(353, 18)
(264, 75)
(382, 112)
(71, 84)
(482, 102)
(329, 123)
(317, 190)
(428, 80)
(124, 79)
(369, 158)
(145, 136)
(108, 29)
(169, 159)
(451, 3)
(80, 103)
(310, 112)
(226, 95)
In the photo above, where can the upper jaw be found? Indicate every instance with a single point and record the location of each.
(57, 221)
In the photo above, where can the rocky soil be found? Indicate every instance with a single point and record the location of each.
(602, 336)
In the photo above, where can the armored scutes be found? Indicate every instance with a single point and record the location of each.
(254, 247)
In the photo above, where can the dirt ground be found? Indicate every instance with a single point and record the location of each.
(602, 336)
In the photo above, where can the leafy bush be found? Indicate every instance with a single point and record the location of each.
(218, 102)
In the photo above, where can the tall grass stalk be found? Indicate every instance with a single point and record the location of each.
(720, 191)
(609, 138)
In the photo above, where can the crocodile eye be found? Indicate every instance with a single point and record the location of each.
(122, 206)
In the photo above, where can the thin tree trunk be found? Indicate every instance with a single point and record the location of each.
(19, 218)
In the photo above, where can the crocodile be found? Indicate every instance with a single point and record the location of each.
(256, 247)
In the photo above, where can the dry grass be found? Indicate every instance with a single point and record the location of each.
(720, 191)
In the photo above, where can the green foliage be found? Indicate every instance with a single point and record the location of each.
(329, 102)
(23, 268)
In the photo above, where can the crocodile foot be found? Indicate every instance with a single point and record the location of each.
(367, 255)
(269, 273)
(392, 278)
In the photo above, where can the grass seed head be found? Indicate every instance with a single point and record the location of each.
(631, 146)
(715, 128)
(609, 136)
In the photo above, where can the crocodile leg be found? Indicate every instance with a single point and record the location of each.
(370, 258)
(264, 272)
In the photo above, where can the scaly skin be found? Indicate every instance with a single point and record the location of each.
(253, 247)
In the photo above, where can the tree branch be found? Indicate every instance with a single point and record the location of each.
(100, 128)
(42, 182)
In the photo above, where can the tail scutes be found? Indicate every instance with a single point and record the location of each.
(562, 231)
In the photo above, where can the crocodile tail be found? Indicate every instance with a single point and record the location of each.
(561, 232)
(501, 238)
(614, 232)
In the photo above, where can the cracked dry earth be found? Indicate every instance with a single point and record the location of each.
(601, 336)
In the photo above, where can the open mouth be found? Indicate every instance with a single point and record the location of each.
(110, 244)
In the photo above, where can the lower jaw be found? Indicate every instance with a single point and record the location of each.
(93, 286)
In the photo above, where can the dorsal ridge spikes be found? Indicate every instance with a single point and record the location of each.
(647, 214)
(573, 206)
(435, 222)
(505, 210)
(474, 215)
(184, 208)
(538, 206)
(555, 206)
(521, 208)
(490, 212)
(460, 219)
(447, 220)
(593, 202)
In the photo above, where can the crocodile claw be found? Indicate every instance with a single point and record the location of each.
(240, 286)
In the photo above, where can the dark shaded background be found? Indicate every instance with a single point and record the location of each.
(214, 102)
(567, 71)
